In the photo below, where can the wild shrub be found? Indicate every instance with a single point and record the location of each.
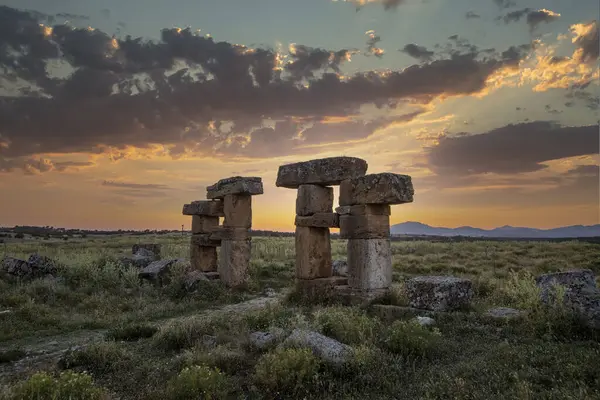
(410, 339)
(68, 385)
(199, 382)
(348, 325)
(187, 333)
(98, 357)
(131, 332)
(269, 316)
(226, 358)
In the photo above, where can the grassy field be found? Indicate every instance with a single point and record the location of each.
(150, 342)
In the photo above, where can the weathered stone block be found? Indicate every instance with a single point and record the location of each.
(324, 171)
(42, 265)
(313, 253)
(439, 293)
(152, 247)
(340, 268)
(234, 260)
(192, 279)
(210, 208)
(203, 258)
(157, 269)
(364, 227)
(385, 188)
(238, 211)
(225, 233)
(314, 199)
(16, 267)
(235, 185)
(204, 224)
(319, 220)
(205, 239)
(326, 348)
(365, 209)
(369, 263)
(574, 279)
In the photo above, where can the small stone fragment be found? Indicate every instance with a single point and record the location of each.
(364, 226)
(262, 340)
(319, 220)
(234, 261)
(192, 278)
(141, 259)
(235, 185)
(326, 348)
(369, 263)
(325, 171)
(365, 209)
(153, 248)
(504, 312)
(204, 224)
(205, 240)
(312, 199)
(313, 253)
(16, 267)
(42, 265)
(340, 268)
(157, 269)
(203, 258)
(238, 211)
(384, 188)
(425, 321)
(209, 208)
(439, 293)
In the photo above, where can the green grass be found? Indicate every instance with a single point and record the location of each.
(545, 355)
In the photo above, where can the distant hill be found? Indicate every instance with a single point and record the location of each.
(417, 228)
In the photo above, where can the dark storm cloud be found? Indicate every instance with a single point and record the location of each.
(419, 52)
(372, 41)
(512, 149)
(129, 185)
(588, 43)
(472, 15)
(387, 4)
(588, 99)
(183, 89)
(533, 17)
(502, 4)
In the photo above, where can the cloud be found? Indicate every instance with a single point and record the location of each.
(35, 166)
(472, 15)
(387, 4)
(372, 41)
(189, 93)
(129, 185)
(514, 148)
(502, 4)
(533, 17)
(586, 38)
(419, 52)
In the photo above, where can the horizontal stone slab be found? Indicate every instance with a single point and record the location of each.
(312, 199)
(210, 208)
(235, 185)
(205, 240)
(319, 220)
(324, 171)
(227, 233)
(384, 188)
(365, 209)
(364, 227)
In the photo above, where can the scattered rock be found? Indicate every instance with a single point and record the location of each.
(384, 188)
(5, 312)
(157, 269)
(425, 321)
(42, 265)
(328, 349)
(390, 312)
(262, 340)
(141, 259)
(504, 312)
(574, 279)
(270, 292)
(192, 278)
(16, 267)
(235, 185)
(585, 303)
(340, 268)
(147, 250)
(439, 293)
(324, 172)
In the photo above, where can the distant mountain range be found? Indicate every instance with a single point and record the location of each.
(417, 228)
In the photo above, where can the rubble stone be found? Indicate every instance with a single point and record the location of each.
(157, 269)
(204, 224)
(425, 321)
(369, 263)
(314, 199)
(574, 279)
(313, 253)
(365, 209)
(192, 278)
(324, 172)
(209, 208)
(16, 267)
(364, 226)
(154, 248)
(439, 293)
(384, 188)
(319, 220)
(326, 348)
(235, 185)
(42, 265)
(238, 211)
(203, 258)
(234, 261)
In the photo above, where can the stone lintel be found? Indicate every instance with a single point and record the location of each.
(227, 233)
(235, 185)
(209, 208)
(325, 172)
(384, 188)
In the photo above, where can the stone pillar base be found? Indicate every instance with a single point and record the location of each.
(369, 264)
(203, 258)
(234, 260)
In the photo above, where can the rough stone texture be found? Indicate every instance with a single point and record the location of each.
(319, 220)
(203, 258)
(225, 233)
(17, 267)
(205, 240)
(209, 208)
(313, 199)
(326, 348)
(192, 278)
(42, 265)
(585, 303)
(426, 321)
(504, 313)
(439, 293)
(340, 268)
(313, 253)
(385, 188)
(263, 340)
(235, 185)
(234, 261)
(364, 226)
(204, 224)
(319, 288)
(141, 259)
(324, 171)
(365, 209)
(154, 248)
(212, 276)
(238, 211)
(156, 270)
(369, 263)
(574, 279)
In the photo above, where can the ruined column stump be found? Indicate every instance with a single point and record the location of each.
(205, 217)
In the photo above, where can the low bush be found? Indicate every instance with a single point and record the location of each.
(199, 382)
(99, 357)
(410, 339)
(348, 325)
(68, 385)
(131, 333)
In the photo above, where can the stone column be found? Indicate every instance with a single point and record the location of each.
(205, 218)
(234, 235)
(314, 211)
(365, 221)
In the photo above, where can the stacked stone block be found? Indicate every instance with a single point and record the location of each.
(231, 199)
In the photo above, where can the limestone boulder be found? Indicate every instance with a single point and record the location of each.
(439, 293)
(192, 279)
(264, 340)
(340, 268)
(210, 208)
(574, 279)
(16, 267)
(157, 270)
(235, 185)
(324, 172)
(384, 188)
(425, 321)
(42, 265)
(585, 304)
(326, 348)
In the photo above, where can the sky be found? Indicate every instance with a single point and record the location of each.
(113, 114)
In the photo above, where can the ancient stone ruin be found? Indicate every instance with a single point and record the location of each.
(363, 217)
(231, 199)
